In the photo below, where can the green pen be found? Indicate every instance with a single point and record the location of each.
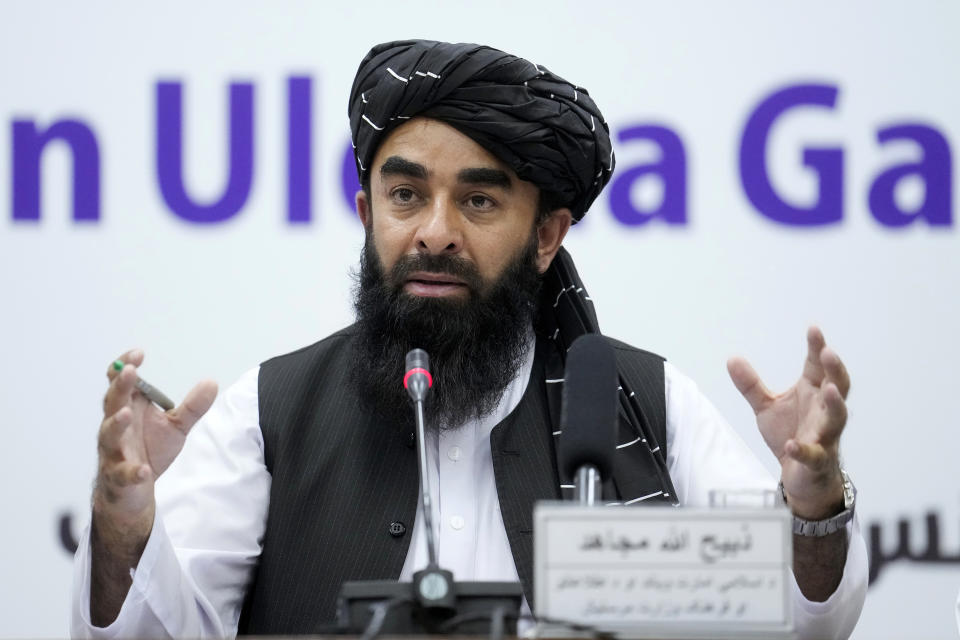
(148, 390)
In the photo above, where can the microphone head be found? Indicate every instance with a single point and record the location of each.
(417, 379)
(418, 359)
(588, 418)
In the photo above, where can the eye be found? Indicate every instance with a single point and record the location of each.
(403, 195)
(480, 202)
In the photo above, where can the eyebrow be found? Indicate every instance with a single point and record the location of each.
(400, 166)
(485, 176)
(397, 166)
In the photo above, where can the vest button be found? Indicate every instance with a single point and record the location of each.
(412, 440)
(397, 529)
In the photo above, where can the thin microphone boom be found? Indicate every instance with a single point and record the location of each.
(425, 485)
(433, 587)
(417, 382)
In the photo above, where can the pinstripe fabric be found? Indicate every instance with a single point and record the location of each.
(525, 468)
(341, 477)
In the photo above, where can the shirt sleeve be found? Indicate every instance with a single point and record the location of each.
(211, 514)
(704, 453)
(957, 612)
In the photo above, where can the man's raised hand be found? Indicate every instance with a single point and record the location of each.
(802, 426)
(138, 441)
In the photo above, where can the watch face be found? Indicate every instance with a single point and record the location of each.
(433, 587)
(849, 491)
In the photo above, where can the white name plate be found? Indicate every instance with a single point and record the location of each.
(664, 572)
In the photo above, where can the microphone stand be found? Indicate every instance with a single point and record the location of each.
(588, 486)
(425, 502)
(432, 602)
(433, 587)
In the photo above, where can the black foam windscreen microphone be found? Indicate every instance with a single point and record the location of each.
(417, 379)
(588, 417)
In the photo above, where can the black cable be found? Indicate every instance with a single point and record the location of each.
(496, 615)
(380, 611)
(595, 633)
(497, 619)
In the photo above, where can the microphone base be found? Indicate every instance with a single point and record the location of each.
(434, 589)
(473, 611)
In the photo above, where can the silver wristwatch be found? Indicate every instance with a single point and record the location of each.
(820, 528)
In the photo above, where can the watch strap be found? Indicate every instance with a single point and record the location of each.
(820, 528)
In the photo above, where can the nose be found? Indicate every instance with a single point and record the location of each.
(440, 230)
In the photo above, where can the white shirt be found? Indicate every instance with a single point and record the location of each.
(212, 508)
(957, 612)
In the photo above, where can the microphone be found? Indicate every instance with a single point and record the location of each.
(433, 586)
(433, 602)
(588, 417)
(417, 380)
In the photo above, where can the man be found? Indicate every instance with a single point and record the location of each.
(474, 164)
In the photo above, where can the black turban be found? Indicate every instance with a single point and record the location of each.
(549, 131)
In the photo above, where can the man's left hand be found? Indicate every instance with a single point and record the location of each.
(802, 427)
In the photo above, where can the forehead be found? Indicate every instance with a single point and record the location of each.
(437, 146)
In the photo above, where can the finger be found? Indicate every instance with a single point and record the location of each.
(125, 474)
(836, 410)
(812, 369)
(111, 432)
(120, 392)
(748, 383)
(134, 357)
(194, 405)
(808, 454)
(835, 370)
(132, 451)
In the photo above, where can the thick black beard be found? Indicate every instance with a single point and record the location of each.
(475, 345)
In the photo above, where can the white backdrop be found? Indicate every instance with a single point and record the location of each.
(213, 300)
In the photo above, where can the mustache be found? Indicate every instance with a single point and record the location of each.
(453, 265)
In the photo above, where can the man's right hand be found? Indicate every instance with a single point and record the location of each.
(137, 443)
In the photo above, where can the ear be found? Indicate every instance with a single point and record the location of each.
(363, 207)
(550, 235)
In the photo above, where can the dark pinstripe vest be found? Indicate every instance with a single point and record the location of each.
(341, 477)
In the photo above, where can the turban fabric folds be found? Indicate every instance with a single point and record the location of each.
(550, 133)
(546, 129)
